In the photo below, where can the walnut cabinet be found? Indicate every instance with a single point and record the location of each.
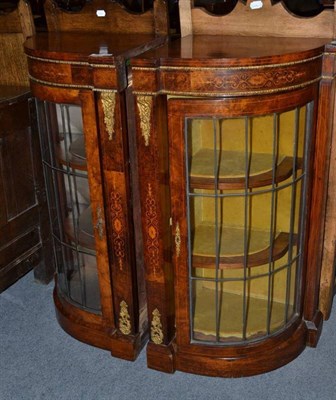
(80, 85)
(232, 138)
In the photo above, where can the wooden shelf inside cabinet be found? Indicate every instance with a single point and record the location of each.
(83, 233)
(205, 323)
(231, 167)
(232, 247)
(75, 156)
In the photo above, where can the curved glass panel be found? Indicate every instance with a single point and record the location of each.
(246, 188)
(65, 169)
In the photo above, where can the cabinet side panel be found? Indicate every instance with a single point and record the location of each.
(155, 206)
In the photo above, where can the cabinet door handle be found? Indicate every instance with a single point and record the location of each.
(177, 240)
(100, 224)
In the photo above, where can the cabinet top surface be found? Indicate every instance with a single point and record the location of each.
(219, 50)
(85, 47)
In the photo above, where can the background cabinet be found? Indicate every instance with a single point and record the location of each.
(24, 229)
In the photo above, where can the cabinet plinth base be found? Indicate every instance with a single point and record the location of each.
(127, 347)
(161, 357)
(88, 328)
(233, 362)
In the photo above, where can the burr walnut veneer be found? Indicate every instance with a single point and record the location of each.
(80, 83)
(232, 140)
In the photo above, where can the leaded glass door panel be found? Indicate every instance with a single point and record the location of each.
(239, 179)
(75, 200)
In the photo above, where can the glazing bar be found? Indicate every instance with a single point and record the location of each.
(55, 190)
(67, 108)
(246, 221)
(77, 174)
(216, 172)
(75, 221)
(69, 131)
(292, 211)
(272, 223)
(303, 204)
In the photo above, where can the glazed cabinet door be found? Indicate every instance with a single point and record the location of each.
(239, 173)
(71, 160)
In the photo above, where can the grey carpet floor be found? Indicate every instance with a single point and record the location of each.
(40, 361)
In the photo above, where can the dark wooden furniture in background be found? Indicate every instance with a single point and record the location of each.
(116, 18)
(24, 225)
(78, 75)
(232, 213)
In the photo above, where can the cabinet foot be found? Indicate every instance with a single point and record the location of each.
(127, 347)
(89, 328)
(314, 329)
(161, 357)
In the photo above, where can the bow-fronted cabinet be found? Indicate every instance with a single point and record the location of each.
(79, 82)
(232, 144)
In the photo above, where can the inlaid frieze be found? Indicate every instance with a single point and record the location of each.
(238, 81)
(118, 228)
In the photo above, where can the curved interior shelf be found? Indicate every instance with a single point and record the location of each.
(83, 233)
(230, 322)
(232, 166)
(231, 252)
(75, 157)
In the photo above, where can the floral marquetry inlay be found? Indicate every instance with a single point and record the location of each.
(239, 80)
(245, 81)
(178, 240)
(152, 240)
(118, 227)
(145, 107)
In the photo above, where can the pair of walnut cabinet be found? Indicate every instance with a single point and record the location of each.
(184, 190)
